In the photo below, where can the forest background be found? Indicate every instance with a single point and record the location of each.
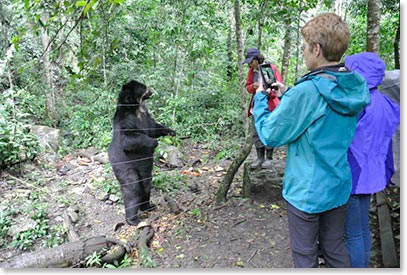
(62, 64)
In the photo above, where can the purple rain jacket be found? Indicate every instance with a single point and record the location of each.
(370, 154)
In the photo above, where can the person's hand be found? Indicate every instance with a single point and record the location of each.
(255, 85)
(260, 85)
(278, 88)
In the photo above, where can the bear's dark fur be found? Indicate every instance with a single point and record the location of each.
(131, 151)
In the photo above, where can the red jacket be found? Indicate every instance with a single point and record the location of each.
(273, 100)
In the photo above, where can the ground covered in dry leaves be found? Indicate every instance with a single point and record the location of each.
(190, 229)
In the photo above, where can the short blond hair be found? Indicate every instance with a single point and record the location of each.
(331, 32)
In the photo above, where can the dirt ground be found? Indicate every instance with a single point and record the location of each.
(240, 233)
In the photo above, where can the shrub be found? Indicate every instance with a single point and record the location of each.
(16, 142)
(88, 117)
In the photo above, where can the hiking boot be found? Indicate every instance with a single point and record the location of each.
(259, 160)
(269, 156)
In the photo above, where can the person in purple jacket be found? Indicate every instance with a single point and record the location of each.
(370, 155)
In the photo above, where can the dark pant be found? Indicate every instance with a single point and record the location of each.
(326, 228)
(256, 140)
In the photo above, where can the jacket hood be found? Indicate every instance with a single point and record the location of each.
(345, 92)
(369, 65)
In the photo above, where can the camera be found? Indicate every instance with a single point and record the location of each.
(267, 75)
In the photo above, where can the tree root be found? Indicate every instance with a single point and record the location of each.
(172, 204)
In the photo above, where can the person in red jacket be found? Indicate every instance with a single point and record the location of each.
(253, 59)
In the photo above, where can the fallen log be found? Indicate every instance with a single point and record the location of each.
(64, 255)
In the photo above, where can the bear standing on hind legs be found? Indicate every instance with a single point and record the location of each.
(131, 151)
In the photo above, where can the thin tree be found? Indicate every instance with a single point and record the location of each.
(47, 45)
(373, 26)
(287, 49)
(298, 42)
(240, 49)
(260, 22)
(229, 70)
(396, 48)
(242, 154)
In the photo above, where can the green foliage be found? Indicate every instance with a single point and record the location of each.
(205, 114)
(124, 263)
(40, 230)
(57, 236)
(88, 117)
(196, 212)
(221, 155)
(16, 142)
(389, 21)
(93, 260)
(110, 186)
(146, 260)
(25, 240)
(180, 48)
(388, 29)
(358, 35)
(168, 181)
(5, 224)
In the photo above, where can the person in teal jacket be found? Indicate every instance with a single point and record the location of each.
(316, 119)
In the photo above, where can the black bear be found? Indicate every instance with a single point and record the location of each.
(131, 150)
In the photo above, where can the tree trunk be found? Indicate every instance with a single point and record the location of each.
(240, 49)
(373, 26)
(298, 43)
(176, 79)
(396, 48)
(230, 174)
(260, 22)
(287, 49)
(230, 70)
(51, 93)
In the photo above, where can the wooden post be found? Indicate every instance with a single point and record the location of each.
(389, 255)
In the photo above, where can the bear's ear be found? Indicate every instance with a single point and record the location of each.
(128, 87)
(134, 85)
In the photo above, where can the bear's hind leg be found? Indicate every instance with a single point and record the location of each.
(145, 186)
(130, 189)
(132, 213)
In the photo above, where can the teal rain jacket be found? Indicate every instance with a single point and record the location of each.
(317, 119)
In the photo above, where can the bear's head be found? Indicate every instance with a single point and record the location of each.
(133, 93)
